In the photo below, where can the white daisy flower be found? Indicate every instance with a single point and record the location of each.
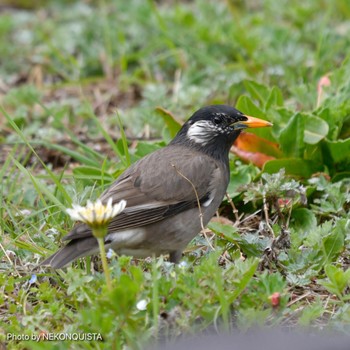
(97, 213)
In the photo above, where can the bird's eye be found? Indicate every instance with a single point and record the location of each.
(217, 120)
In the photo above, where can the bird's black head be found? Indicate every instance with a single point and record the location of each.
(213, 129)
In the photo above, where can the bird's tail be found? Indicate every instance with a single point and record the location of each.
(73, 250)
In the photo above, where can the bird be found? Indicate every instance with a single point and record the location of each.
(170, 194)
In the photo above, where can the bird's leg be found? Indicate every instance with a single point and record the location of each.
(175, 256)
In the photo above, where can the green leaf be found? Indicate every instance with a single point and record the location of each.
(124, 142)
(333, 244)
(81, 158)
(292, 137)
(144, 148)
(338, 280)
(229, 232)
(251, 245)
(250, 266)
(30, 247)
(303, 219)
(92, 174)
(257, 91)
(293, 166)
(77, 281)
(334, 123)
(316, 129)
(339, 150)
(311, 312)
(341, 176)
(240, 176)
(275, 98)
(246, 105)
(172, 124)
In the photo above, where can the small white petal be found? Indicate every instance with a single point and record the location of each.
(83, 216)
(119, 207)
(33, 279)
(89, 204)
(110, 253)
(109, 203)
(24, 212)
(73, 214)
(183, 264)
(142, 305)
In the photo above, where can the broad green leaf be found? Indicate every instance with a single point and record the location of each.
(292, 137)
(316, 129)
(334, 123)
(257, 91)
(144, 148)
(281, 116)
(275, 98)
(303, 219)
(229, 232)
(338, 276)
(124, 142)
(293, 166)
(239, 176)
(338, 150)
(338, 280)
(341, 176)
(333, 244)
(246, 106)
(170, 121)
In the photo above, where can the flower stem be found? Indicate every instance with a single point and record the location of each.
(101, 245)
(155, 296)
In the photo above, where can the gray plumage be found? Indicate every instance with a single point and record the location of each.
(162, 191)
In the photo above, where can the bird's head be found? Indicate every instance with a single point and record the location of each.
(213, 129)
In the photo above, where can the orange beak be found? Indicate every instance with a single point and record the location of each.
(252, 122)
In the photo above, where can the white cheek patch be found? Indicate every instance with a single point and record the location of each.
(201, 132)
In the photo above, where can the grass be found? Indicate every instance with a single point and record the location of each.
(281, 242)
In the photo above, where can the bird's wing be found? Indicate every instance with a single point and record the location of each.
(159, 185)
